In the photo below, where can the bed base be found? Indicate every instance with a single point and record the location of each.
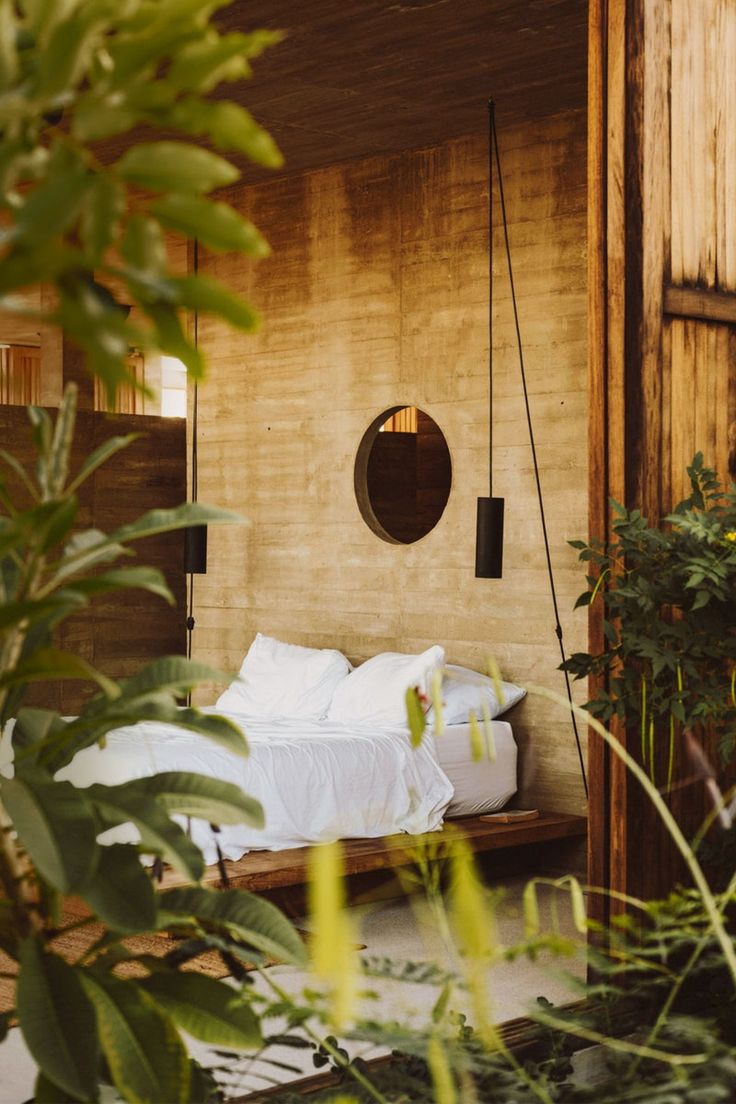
(260, 871)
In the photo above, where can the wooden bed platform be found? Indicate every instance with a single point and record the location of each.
(267, 870)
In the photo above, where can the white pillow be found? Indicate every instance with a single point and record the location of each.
(375, 692)
(285, 680)
(469, 691)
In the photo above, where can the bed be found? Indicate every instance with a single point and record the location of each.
(321, 777)
(317, 780)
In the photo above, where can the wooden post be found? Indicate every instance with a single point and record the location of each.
(645, 424)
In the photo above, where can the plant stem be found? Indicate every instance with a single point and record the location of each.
(680, 978)
(729, 951)
(612, 1043)
(15, 878)
(347, 1067)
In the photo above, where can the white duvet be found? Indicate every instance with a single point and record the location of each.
(316, 780)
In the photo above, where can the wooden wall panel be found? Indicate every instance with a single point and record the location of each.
(703, 107)
(376, 295)
(662, 229)
(119, 634)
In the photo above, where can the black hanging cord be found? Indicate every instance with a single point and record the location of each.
(550, 573)
(190, 604)
(491, 132)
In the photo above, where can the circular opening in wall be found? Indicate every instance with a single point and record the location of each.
(403, 474)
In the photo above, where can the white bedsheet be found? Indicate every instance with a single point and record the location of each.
(316, 780)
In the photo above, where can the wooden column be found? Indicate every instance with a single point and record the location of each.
(660, 245)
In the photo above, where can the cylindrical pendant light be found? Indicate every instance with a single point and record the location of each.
(195, 550)
(489, 538)
(489, 516)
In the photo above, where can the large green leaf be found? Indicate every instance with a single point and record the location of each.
(199, 796)
(143, 246)
(121, 892)
(216, 225)
(250, 920)
(205, 1008)
(170, 335)
(32, 728)
(102, 716)
(144, 1052)
(20, 471)
(228, 127)
(99, 456)
(175, 673)
(8, 53)
(203, 64)
(61, 442)
(121, 578)
(53, 206)
(55, 824)
(166, 521)
(59, 523)
(57, 1021)
(175, 167)
(51, 663)
(159, 834)
(203, 294)
(50, 610)
(69, 48)
(87, 549)
(46, 1092)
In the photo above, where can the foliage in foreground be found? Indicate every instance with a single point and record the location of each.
(85, 1024)
(89, 224)
(661, 1012)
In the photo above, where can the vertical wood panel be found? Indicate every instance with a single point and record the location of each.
(376, 296)
(670, 71)
(703, 106)
(119, 633)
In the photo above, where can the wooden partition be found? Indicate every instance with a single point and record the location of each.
(376, 296)
(118, 634)
(662, 282)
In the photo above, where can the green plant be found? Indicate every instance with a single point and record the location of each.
(660, 1012)
(669, 607)
(91, 228)
(75, 73)
(84, 1024)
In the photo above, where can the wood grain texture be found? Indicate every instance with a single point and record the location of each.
(356, 78)
(703, 115)
(707, 305)
(266, 870)
(665, 149)
(119, 633)
(376, 296)
(599, 817)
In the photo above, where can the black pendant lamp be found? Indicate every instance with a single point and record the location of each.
(195, 536)
(489, 515)
(489, 533)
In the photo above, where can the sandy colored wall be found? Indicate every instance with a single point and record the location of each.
(376, 295)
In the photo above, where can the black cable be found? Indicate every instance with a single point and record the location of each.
(550, 573)
(491, 132)
(190, 603)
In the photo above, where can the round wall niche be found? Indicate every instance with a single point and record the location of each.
(403, 475)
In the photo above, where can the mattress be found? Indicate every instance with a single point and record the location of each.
(316, 780)
(483, 786)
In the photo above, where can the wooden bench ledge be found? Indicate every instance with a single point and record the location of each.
(265, 870)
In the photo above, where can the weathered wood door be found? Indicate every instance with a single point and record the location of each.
(662, 319)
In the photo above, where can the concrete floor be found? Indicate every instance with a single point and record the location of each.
(402, 931)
